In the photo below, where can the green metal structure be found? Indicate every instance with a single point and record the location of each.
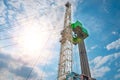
(80, 33)
(79, 25)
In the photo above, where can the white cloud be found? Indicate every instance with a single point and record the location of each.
(118, 70)
(117, 64)
(100, 60)
(105, 8)
(2, 20)
(15, 69)
(100, 72)
(7, 75)
(93, 47)
(117, 76)
(49, 17)
(100, 64)
(114, 45)
(46, 16)
(114, 33)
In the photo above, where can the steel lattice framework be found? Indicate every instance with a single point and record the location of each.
(65, 61)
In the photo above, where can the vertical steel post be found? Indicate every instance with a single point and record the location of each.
(84, 60)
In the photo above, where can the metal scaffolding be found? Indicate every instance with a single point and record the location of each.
(65, 62)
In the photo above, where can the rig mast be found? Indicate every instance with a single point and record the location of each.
(73, 34)
(65, 61)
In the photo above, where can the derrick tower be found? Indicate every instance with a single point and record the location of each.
(73, 34)
(65, 61)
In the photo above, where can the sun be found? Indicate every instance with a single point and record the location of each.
(32, 38)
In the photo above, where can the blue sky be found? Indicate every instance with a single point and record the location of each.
(30, 34)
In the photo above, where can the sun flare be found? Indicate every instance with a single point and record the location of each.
(32, 38)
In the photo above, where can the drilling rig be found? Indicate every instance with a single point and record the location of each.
(65, 62)
(75, 34)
